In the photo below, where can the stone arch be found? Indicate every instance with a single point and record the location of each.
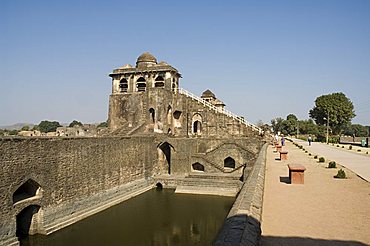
(159, 82)
(141, 84)
(159, 186)
(152, 114)
(29, 221)
(197, 124)
(123, 85)
(197, 167)
(229, 162)
(29, 189)
(165, 149)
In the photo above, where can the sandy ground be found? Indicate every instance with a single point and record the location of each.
(323, 211)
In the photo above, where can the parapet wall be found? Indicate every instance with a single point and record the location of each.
(73, 174)
(243, 224)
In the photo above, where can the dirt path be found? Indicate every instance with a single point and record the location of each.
(323, 211)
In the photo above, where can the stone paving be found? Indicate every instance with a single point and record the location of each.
(353, 160)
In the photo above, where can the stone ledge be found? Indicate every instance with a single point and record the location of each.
(242, 226)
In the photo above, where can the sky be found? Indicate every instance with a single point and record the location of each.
(263, 59)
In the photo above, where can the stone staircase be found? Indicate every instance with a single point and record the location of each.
(199, 183)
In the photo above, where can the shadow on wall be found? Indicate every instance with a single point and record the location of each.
(303, 241)
(239, 230)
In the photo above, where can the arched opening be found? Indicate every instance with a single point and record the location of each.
(197, 124)
(159, 186)
(123, 85)
(159, 82)
(28, 189)
(28, 221)
(177, 114)
(176, 118)
(141, 84)
(197, 167)
(152, 114)
(197, 127)
(166, 150)
(229, 162)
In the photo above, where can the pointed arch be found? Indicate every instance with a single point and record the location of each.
(141, 84)
(123, 85)
(165, 148)
(197, 124)
(28, 189)
(29, 221)
(152, 114)
(159, 82)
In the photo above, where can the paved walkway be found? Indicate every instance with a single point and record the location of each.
(324, 211)
(357, 163)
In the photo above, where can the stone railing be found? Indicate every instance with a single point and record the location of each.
(219, 110)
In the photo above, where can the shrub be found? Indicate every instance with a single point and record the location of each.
(321, 159)
(332, 164)
(343, 147)
(306, 151)
(315, 157)
(367, 152)
(350, 147)
(340, 175)
(309, 154)
(337, 145)
(359, 150)
(300, 146)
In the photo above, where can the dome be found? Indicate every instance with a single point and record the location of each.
(146, 58)
(208, 93)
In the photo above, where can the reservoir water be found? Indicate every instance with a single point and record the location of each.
(155, 218)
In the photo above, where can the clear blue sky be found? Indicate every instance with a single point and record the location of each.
(264, 59)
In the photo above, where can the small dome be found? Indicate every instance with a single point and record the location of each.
(147, 58)
(208, 93)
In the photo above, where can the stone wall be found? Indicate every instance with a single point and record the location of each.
(243, 224)
(72, 174)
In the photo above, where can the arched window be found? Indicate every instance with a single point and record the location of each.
(152, 114)
(197, 127)
(28, 189)
(229, 162)
(197, 124)
(159, 82)
(141, 84)
(123, 85)
(197, 167)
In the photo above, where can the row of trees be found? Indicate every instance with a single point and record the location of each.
(332, 112)
(46, 126)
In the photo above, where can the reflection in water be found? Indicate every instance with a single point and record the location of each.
(157, 217)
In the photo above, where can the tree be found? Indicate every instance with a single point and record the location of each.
(25, 128)
(357, 130)
(48, 126)
(335, 108)
(103, 124)
(75, 123)
(277, 124)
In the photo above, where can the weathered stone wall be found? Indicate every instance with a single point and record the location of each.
(69, 171)
(243, 223)
(163, 111)
(211, 152)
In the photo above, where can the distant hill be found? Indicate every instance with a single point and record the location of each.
(17, 126)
